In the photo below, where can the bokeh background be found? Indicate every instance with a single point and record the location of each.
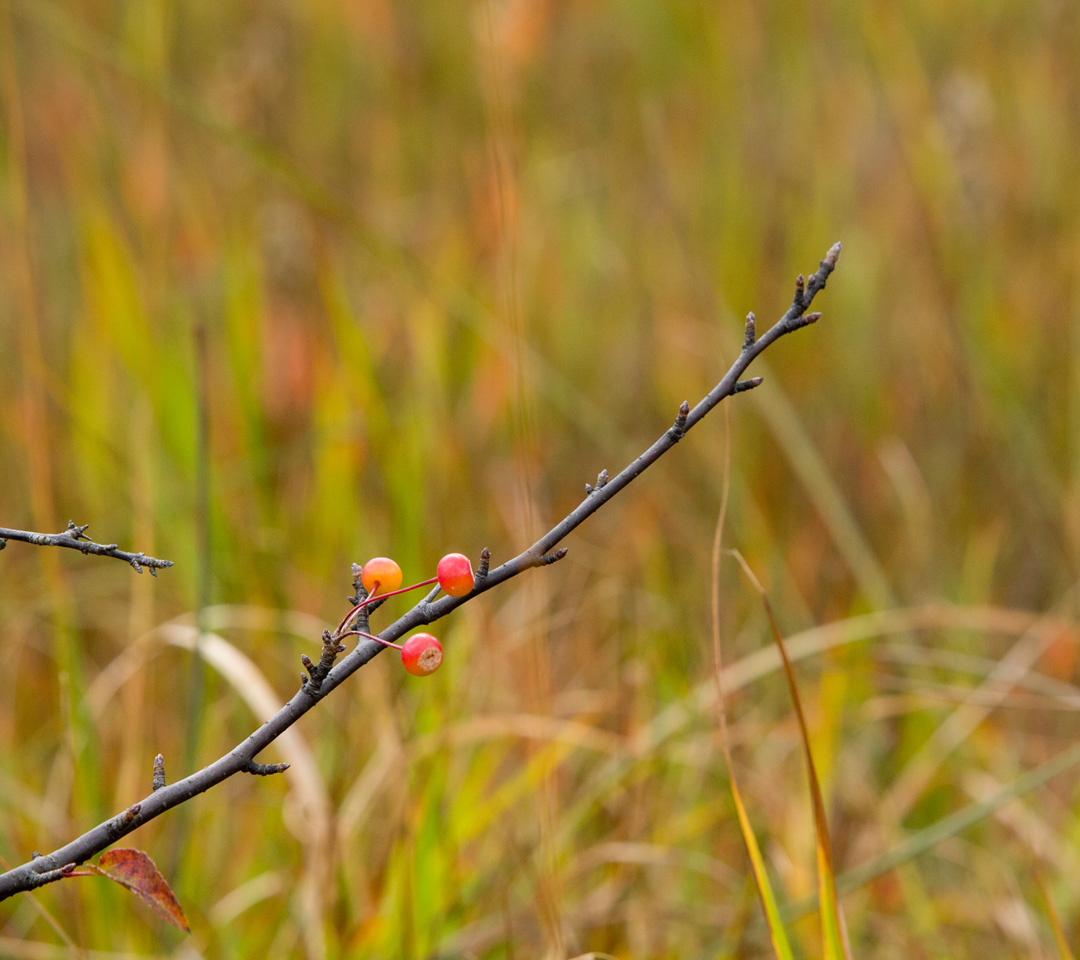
(288, 285)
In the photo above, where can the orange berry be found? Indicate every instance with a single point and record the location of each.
(381, 572)
(421, 654)
(455, 574)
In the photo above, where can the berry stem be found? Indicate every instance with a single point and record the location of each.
(360, 633)
(371, 598)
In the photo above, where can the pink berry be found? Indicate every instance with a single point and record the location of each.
(421, 654)
(382, 571)
(455, 574)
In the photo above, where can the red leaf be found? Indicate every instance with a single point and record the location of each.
(136, 871)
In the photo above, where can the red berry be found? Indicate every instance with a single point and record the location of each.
(421, 654)
(382, 571)
(455, 574)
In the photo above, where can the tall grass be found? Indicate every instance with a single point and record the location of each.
(451, 262)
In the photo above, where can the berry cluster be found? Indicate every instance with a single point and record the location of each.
(381, 577)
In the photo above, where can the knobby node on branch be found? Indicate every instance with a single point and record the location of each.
(372, 584)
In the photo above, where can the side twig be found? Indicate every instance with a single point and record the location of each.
(323, 678)
(74, 537)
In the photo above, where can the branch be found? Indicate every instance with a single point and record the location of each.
(323, 678)
(75, 538)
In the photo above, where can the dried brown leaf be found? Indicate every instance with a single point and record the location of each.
(136, 871)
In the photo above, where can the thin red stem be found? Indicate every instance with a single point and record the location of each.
(360, 633)
(371, 598)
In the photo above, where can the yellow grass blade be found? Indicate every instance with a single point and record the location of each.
(833, 932)
(781, 946)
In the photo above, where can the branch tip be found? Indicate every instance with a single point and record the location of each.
(549, 558)
(751, 331)
(359, 593)
(77, 533)
(801, 301)
(678, 428)
(484, 565)
(318, 672)
(159, 773)
(797, 323)
(747, 384)
(833, 255)
(50, 876)
(264, 769)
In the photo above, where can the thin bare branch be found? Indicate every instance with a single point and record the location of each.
(74, 537)
(323, 678)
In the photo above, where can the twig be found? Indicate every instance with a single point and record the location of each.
(327, 675)
(159, 773)
(74, 537)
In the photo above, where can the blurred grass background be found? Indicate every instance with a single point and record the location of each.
(450, 261)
